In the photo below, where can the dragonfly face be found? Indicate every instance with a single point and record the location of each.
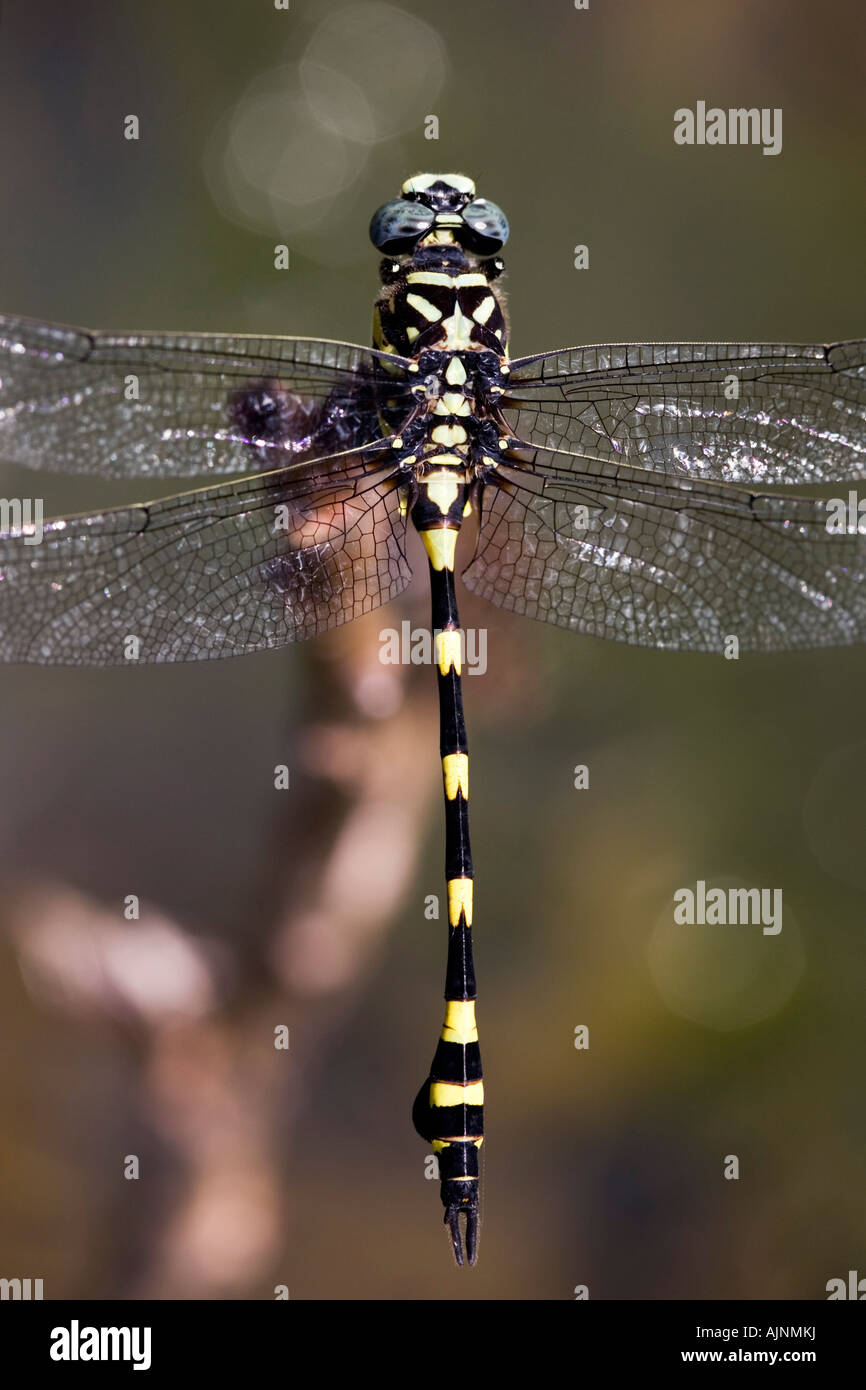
(621, 492)
(439, 208)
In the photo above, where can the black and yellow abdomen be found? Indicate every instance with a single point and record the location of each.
(449, 1109)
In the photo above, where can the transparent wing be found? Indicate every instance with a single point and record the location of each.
(183, 404)
(212, 573)
(619, 554)
(728, 412)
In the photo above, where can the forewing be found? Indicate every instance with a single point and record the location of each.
(751, 413)
(178, 404)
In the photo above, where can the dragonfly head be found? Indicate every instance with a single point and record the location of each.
(436, 209)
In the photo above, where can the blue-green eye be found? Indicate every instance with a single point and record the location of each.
(485, 228)
(399, 225)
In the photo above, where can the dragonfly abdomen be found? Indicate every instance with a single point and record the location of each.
(449, 1109)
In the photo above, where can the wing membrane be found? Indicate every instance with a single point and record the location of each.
(619, 554)
(751, 413)
(215, 572)
(165, 404)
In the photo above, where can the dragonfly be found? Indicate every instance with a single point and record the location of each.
(617, 491)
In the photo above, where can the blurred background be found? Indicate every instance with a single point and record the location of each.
(305, 908)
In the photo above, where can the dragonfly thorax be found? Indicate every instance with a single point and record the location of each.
(446, 382)
(440, 297)
(456, 422)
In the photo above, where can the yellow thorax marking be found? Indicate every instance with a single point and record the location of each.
(428, 277)
(459, 899)
(455, 373)
(452, 403)
(485, 309)
(424, 307)
(458, 329)
(449, 435)
(455, 770)
(459, 1025)
(438, 277)
(379, 339)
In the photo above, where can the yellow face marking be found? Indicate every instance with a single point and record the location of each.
(459, 899)
(459, 1025)
(455, 373)
(442, 489)
(449, 435)
(446, 1093)
(440, 236)
(485, 309)
(455, 770)
(440, 546)
(419, 183)
(424, 307)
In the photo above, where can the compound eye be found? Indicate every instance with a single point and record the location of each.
(398, 226)
(485, 227)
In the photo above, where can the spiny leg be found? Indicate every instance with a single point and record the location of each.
(449, 1109)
